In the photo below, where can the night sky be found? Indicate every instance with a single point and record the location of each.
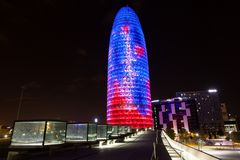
(58, 50)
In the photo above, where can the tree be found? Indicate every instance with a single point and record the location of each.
(183, 135)
(170, 132)
(220, 132)
(235, 136)
(227, 138)
(4, 132)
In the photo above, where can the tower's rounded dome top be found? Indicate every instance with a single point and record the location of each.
(125, 11)
(126, 14)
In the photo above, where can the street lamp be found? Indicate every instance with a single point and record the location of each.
(212, 91)
(96, 120)
(200, 144)
(230, 135)
(20, 102)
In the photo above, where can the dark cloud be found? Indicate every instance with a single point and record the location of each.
(108, 17)
(70, 88)
(6, 5)
(82, 52)
(33, 84)
(137, 5)
(84, 82)
(99, 78)
(3, 39)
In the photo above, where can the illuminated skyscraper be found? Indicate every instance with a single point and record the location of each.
(128, 88)
(208, 108)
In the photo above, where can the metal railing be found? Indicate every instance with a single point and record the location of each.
(188, 153)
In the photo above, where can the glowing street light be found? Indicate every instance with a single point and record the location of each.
(96, 120)
(212, 91)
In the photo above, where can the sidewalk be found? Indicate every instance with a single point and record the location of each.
(139, 147)
(172, 153)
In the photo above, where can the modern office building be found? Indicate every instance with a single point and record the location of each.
(224, 112)
(230, 125)
(208, 108)
(175, 113)
(128, 86)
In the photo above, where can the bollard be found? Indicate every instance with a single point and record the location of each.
(101, 143)
(50, 153)
(12, 155)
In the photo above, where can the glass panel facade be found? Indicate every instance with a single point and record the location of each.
(28, 133)
(101, 132)
(128, 85)
(77, 132)
(92, 132)
(121, 130)
(55, 133)
(109, 130)
(129, 129)
(114, 131)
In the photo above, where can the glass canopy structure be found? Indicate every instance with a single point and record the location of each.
(38, 133)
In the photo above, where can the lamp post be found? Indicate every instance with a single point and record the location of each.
(230, 138)
(20, 102)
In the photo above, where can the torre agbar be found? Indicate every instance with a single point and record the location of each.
(128, 88)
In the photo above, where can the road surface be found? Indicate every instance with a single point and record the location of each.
(224, 154)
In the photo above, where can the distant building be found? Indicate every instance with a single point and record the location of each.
(224, 111)
(175, 113)
(230, 121)
(208, 108)
(230, 125)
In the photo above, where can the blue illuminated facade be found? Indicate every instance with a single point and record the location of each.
(128, 88)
